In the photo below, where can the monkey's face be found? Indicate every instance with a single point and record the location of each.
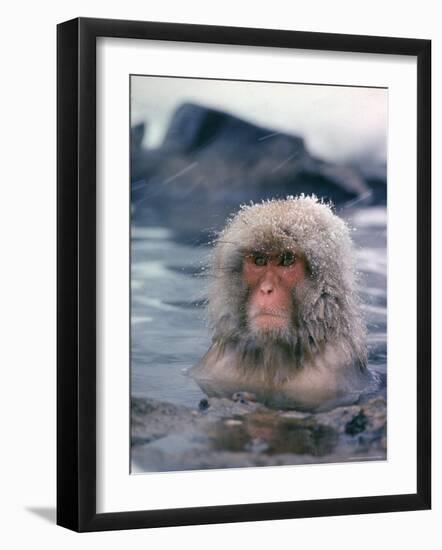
(271, 279)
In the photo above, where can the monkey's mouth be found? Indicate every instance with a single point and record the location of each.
(269, 313)
(269, 319)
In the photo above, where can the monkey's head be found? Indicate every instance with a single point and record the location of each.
(283, 275)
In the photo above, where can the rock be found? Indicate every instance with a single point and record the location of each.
(203, 405)
(232, 422)
(229, 434)
(243, 396)
(210, 162)
(357, 424)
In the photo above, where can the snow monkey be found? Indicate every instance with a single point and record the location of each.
(284, 309)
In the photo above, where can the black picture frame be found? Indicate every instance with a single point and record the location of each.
(76, 273)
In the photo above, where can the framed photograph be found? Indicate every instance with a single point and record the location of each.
(243, 274)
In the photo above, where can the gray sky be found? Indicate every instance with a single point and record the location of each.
(338, 123)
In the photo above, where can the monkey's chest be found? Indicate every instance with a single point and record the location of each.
(310, 388)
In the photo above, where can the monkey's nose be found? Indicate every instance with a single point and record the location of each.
(266, 288)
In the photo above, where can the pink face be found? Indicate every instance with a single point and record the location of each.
(271, 279)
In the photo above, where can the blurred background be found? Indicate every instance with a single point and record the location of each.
(338, 123)
(199, 149)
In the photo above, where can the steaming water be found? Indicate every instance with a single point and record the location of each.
(169, 333)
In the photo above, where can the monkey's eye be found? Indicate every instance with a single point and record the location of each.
(259, 259)
(287, 258)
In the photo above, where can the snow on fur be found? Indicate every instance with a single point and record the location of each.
(331, 311)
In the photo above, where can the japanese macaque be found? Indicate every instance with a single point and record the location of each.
(283, 306)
